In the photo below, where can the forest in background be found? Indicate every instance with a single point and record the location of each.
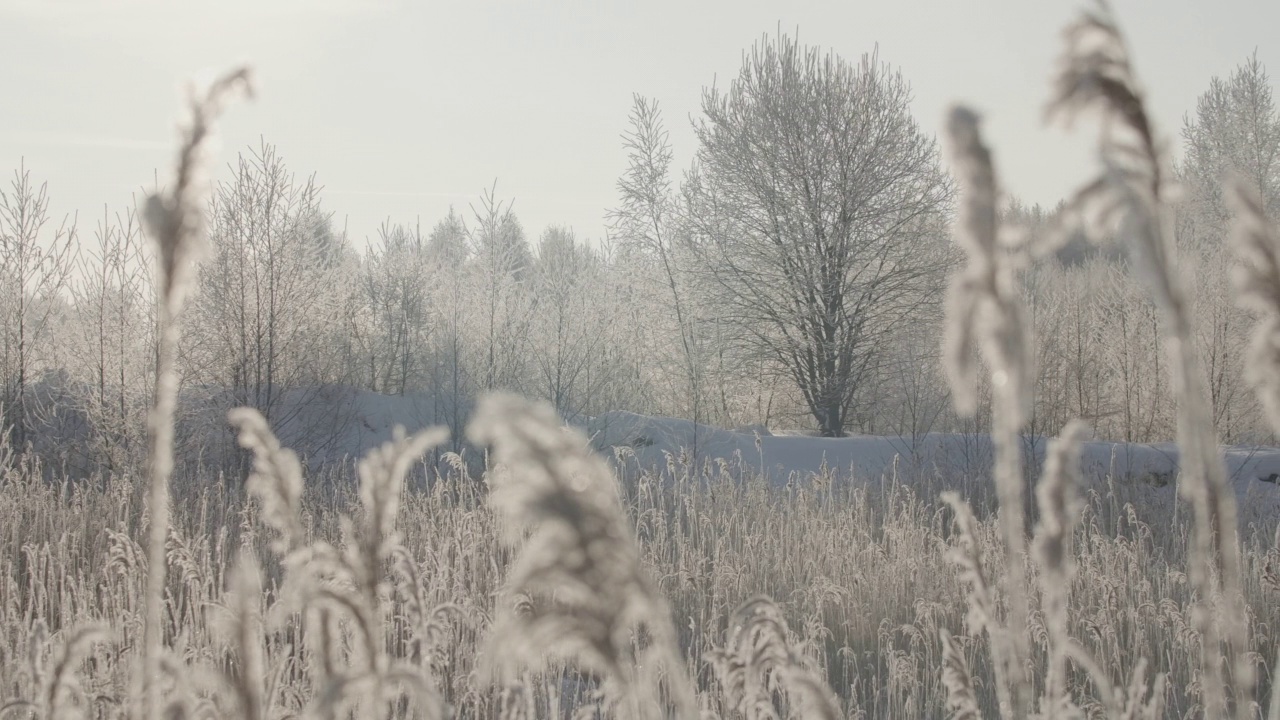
(664, 316)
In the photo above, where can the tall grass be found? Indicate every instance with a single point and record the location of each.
(861, 574)
(175, 222)
(1129, 200)
(547, 588)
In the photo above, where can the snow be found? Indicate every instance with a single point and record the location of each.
(952, 459)
(356, 421)
(335, 423)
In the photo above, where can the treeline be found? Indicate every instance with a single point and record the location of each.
(772, 285)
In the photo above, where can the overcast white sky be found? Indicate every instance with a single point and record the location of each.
(402, 108)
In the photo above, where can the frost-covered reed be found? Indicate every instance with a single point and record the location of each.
(175, 220)
(1130, 200)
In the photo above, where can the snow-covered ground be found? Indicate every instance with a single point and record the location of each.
(366, 419)
(782, 457)
(932, 463)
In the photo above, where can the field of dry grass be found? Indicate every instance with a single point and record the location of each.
(863, 578)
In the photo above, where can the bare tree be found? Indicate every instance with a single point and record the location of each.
(914, 382)
(500, 264)
(115, 345)
(569, 322)
(268, 300)
(819, 207)
(451, 378)
(1235, 130)
(621, 368)
(33, 273)
(647, 221)
(397, 280)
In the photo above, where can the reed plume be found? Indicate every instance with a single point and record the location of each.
(577, 591)
(761, 662)
(175, 220)
(1130, 200)
(985, 314)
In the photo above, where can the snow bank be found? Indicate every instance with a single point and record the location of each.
(647, 441)
(348, 423)
(335, 423)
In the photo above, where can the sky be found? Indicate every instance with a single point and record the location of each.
(402, 109)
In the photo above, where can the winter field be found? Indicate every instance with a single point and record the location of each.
(858, 556)
(832, 426)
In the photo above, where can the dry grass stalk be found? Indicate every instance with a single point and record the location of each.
(1140, 701)
(984, 313)
(239, 620)
(1256, 277)
(980, 615)
(1129, 200)
(275, 478)
(586, 597)
(961, 699)
(1059, 505)
(351, 583)
(175, 221)
(59, 693)
(761, 665)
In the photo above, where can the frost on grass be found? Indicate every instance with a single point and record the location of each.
(985, 314)
(760, 668)
(1256, 277)
(576, 592)
(176, 222)
(1130, 199)
(332, 586)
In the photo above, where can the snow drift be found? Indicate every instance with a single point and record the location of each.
(356, 421)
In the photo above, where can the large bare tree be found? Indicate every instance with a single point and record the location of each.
(819, 207)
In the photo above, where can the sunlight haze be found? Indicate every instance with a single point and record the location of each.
(402, 109)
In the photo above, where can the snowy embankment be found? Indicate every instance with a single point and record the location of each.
(361, 420)
(939, 459)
